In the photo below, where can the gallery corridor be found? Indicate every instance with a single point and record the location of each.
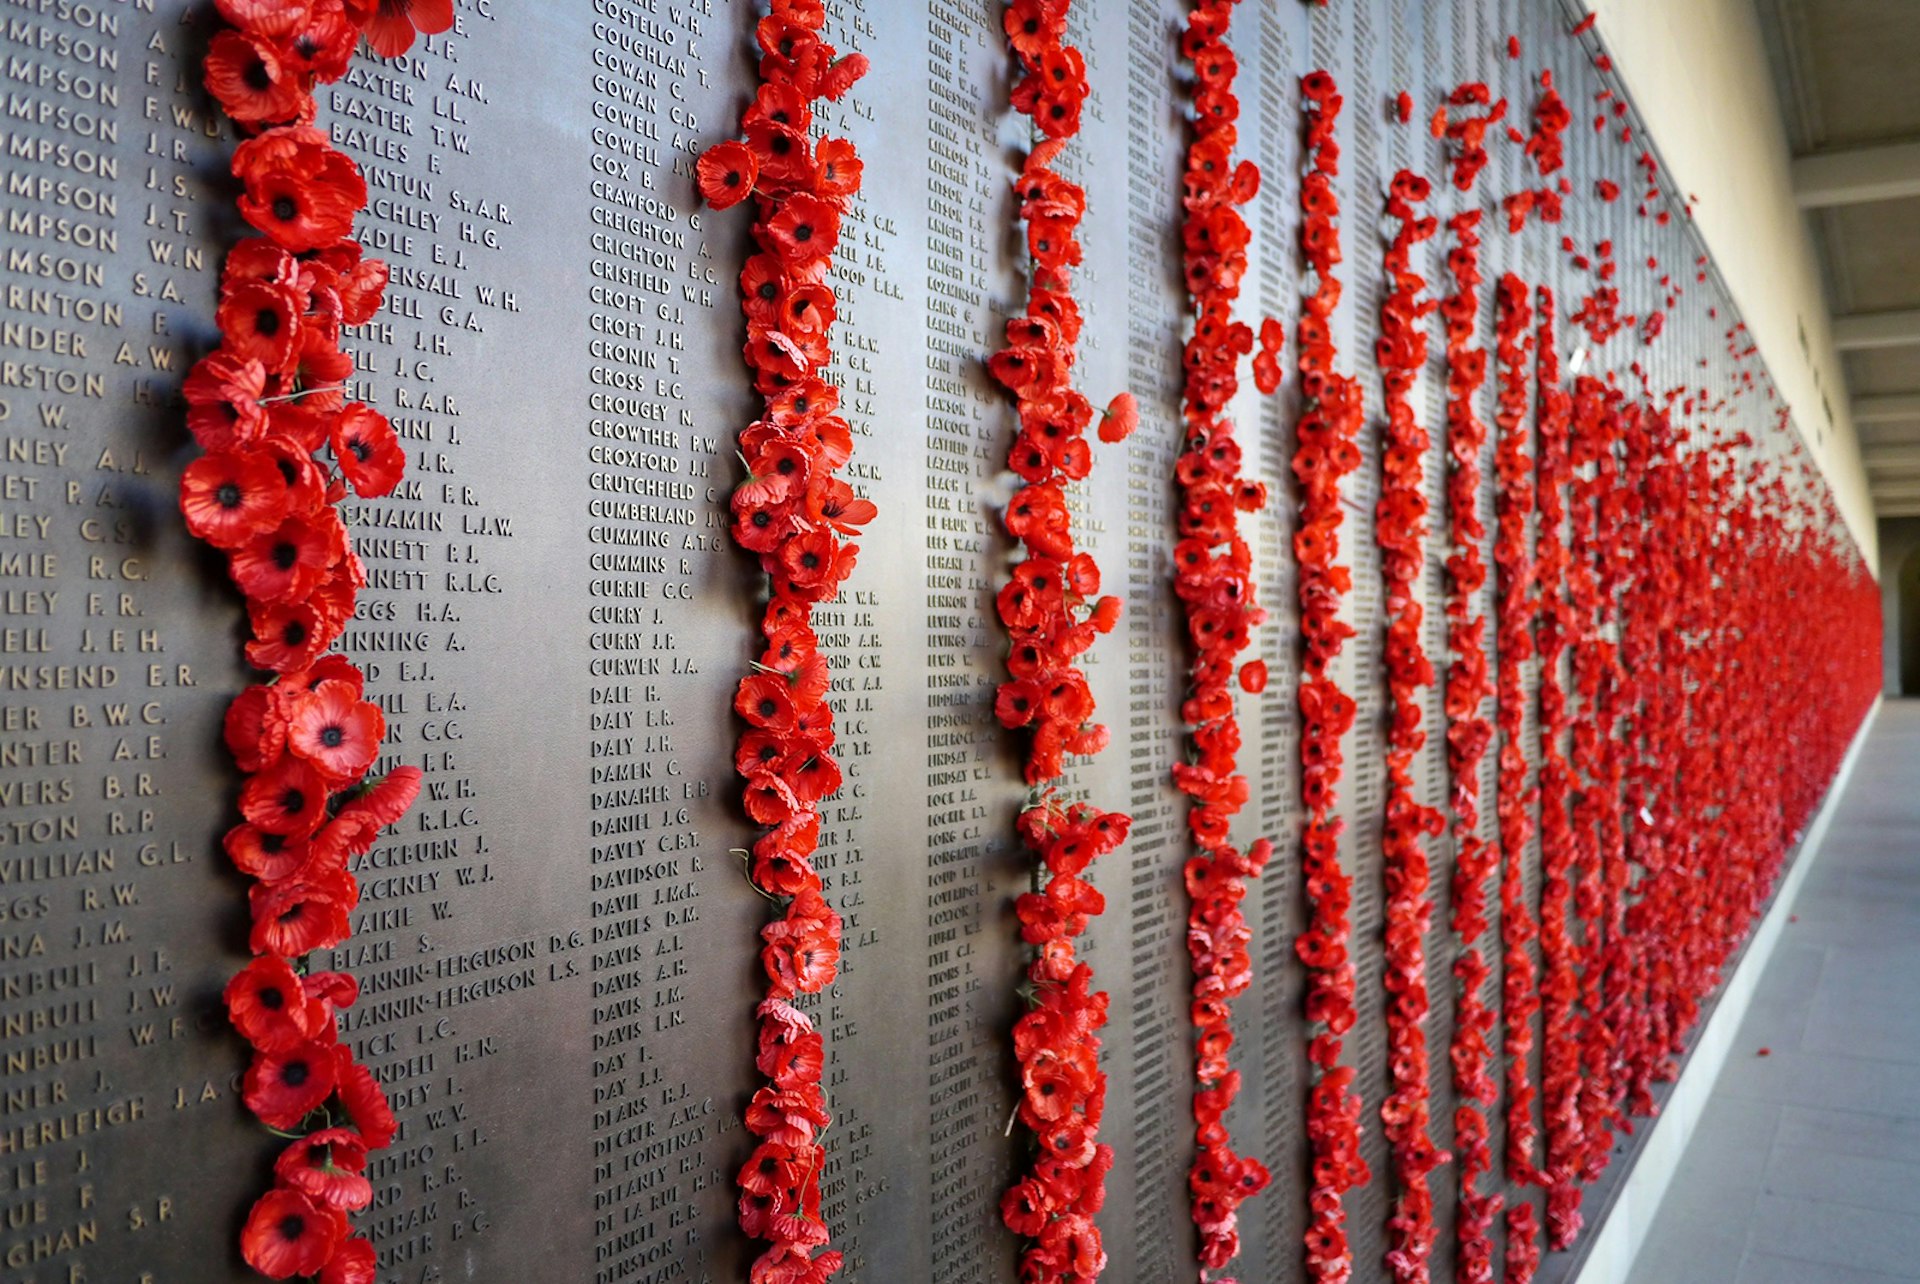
(1805, 1164)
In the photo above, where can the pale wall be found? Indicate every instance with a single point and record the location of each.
(1698, 72)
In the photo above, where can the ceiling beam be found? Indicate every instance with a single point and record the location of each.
(1856, 175)
(1877, 330)
(1887, 408)
(1893, 462)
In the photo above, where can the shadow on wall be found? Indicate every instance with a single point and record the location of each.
(1900, 604)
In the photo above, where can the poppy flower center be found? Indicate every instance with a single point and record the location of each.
(768, 708)
(294, 801)
(294, 634)
(332, 737)
(803, 233)
(267, 321)
(769, 291)
(284, 209)
(361, 450)
(272, 1000)
(228, 496)
(292, 1227)
(285, 555)
(257, 76)
(295, 1074)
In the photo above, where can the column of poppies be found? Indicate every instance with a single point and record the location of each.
(1469, 683)
(1643, 726)
(1513, 799)
(1214, 580)
(1400, 529)
(1558, 633)
(283, 447)
(1596, 512)
(1327, 448)
(797, 516)
(1052, 615)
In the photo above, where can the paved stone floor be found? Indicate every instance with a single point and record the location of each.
(1805, 1165)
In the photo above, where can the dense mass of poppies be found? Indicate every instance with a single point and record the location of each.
(282, 448)
(1554, 633)
(1215, 583)
(1682, 643)
(1513, 796)
(1052, 613)
(1469, 734)
(1400, 529)
(798, 516)
(1327, 449)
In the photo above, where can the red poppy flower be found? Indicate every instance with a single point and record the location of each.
(282, 1087)
(387, 801)
(1034, 26)
(253, 83)
(368, 450)
(329, 1167)
(365, 1101)
(804, 231)
(273, 858)
(787, 1117)
(288, 1234)
(354, 1262)
(391, 24)
(287, 635)
(230, 496)
(1120, 418)
(300, 191)
(270, 1009)
(726, 173)
(837, 170)
(302, 914)
(223, 393)
(272, 18)
(289, 797)
(288, 562)
(335, 731)
(321, 45)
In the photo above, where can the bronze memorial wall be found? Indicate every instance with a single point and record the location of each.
(557, 948)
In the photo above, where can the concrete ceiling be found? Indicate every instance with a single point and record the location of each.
(1845, 71)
